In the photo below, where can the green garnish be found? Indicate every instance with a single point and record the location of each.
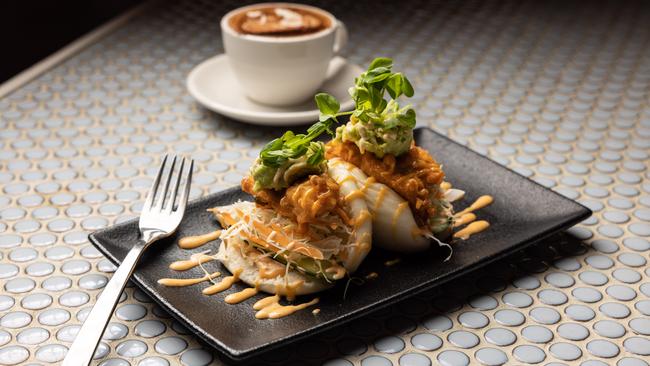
(290, 157)
(377, 125)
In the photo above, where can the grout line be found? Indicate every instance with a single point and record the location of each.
(71, 49)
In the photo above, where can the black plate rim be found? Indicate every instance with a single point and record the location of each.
(240, 355)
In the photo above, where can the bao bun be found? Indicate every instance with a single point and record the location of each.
(295, 283)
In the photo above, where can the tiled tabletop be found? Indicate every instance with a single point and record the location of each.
(557, 91)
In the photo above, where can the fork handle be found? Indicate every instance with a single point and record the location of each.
(84, 345)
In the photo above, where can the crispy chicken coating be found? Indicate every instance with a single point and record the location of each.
(305, 202)
(414, 175)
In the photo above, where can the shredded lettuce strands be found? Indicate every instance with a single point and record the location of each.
(207, 274)
(328, 240)
(442, 244)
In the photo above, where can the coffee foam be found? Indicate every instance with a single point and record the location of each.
(278, 21)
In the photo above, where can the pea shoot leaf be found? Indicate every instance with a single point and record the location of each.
(407, 88)
(370, 106)
(327, 104)
(328, 107)
(381, 62)
(291, 146)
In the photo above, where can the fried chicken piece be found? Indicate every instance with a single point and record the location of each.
(414, 175)
(305, 202)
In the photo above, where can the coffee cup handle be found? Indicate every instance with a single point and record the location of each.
(340, 38)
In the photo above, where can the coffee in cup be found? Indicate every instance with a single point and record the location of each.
(274, 21)
(280, 52)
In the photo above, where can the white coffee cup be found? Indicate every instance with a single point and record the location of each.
(282, 70)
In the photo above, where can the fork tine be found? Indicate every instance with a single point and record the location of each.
(182, 202)
(154, 186)
(168, 178)
(174, 191)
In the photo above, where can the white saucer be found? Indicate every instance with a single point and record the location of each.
(214, 86)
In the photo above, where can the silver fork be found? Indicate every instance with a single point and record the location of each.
(158, 219)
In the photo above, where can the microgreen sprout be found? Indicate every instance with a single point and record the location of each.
(292, 156)
(376, 124)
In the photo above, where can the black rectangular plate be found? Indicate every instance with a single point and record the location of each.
(523, 213)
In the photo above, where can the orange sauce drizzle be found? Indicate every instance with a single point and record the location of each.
(349, 178)
(400, 208)
(180, 282)
(270, 307)
(337, 271)
(464, 219)
(223, 285)
(265, 302)
(269, 268)
(383, 191)
(369, 181)
(240, 296)
(371, 276)
(473, 228)
(478, 204)
(361, 219)
(392, 262)
(192, 242)
(195, 260)
(292, 288)
(353, 195)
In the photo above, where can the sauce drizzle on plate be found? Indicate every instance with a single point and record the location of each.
(181, 282)
(473, 228)
(195, 260)
(240, 296)
(223, 285)
(270, 307)
(467, 217)
(464, 219)
(191, 242)
(478, 204)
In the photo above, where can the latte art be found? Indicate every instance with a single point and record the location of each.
(278, 21)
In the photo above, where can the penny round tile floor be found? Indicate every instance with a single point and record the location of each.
(557, 92)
